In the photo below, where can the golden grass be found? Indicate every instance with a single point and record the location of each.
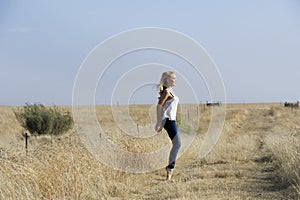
(60, 171)
(258, 143)
(286, 151)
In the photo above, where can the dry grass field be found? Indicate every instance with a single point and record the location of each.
(256, 157)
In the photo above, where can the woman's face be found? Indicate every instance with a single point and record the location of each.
(172, 80)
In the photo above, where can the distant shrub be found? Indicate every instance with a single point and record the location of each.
(38, 119)
(62, 122)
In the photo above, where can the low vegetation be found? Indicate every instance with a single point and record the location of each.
(257, 157)
(40, 120)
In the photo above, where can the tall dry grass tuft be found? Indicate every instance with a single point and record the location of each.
(17, 180)
(70, 173)
(286, 151)
(58, 171)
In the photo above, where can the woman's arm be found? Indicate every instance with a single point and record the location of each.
(159, 110)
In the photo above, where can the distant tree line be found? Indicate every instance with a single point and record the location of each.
(291, 105)
(218, 103)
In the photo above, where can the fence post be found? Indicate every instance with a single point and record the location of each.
(26, 142)
(138, 129)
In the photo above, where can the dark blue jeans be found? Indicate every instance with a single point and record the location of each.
(172, 130)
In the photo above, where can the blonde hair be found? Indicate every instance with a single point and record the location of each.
(164, 80)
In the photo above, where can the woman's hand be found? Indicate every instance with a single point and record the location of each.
(158, 127)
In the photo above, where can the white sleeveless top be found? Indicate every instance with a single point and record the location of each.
(170, 108)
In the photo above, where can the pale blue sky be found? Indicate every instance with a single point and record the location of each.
(254, 43)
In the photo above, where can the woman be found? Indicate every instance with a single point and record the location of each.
(166, 116)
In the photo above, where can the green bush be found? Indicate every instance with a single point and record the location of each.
(62, 121)
(38, 119)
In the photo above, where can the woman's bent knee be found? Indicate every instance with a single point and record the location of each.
(176, 142)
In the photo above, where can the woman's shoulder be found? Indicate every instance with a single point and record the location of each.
(165, 92)
(164, 95)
